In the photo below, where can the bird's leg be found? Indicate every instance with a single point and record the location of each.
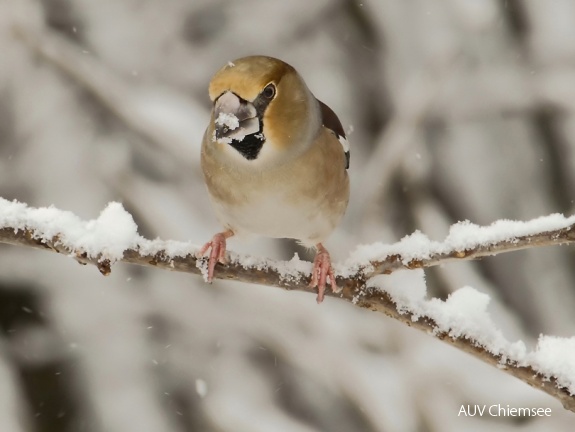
(321, 270)
(218, 252)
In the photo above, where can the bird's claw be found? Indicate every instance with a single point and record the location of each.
(217, 253)
(322, 269)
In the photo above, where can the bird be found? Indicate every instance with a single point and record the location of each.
(275, 161)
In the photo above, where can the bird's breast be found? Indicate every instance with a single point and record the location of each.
(303, 199)
(273, 211)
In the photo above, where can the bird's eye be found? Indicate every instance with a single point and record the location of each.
(269, 92)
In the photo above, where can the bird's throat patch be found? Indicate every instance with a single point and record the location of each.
(250, 146)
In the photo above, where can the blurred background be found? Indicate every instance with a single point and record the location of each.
(455, 110)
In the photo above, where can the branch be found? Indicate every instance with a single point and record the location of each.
(127, 102)
(555, 237)
(25, 230)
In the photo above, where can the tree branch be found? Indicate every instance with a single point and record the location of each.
(556, 237)
(355, 290)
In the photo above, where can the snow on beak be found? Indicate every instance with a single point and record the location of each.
(234, 118)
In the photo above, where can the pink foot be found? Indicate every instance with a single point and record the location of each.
(218, 252)
(321, 270)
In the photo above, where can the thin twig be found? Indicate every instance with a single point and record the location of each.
(121, 98)
(548, 238)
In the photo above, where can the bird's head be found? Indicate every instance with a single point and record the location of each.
(263, 111)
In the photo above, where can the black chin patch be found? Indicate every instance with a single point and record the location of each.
(250, 146)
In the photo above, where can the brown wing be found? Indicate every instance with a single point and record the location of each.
(331, 121)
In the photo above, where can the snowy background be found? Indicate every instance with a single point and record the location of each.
(455, 110)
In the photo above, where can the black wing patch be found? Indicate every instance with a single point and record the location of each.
(331, 121)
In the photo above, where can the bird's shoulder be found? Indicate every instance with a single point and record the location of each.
(331, 121)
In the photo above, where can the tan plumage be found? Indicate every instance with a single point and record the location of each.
(274, 160)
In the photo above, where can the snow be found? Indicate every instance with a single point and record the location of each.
(109, 235)
(228, 120)
(231, 122)
(201, 388)
(464, 314)
(462, 236)
(554, 356)
(407, 288)
(290, 271)
(142, 148)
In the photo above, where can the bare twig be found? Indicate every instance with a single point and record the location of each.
(124, 100)
(413, 104)
(354, 286)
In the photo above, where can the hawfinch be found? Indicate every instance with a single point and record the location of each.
(275, 161)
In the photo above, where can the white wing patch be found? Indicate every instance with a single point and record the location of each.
(343, 141)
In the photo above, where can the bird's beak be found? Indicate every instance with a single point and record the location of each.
(234, 118)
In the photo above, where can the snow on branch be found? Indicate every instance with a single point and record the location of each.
(462, 320)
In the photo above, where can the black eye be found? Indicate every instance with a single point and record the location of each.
(269, 92)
